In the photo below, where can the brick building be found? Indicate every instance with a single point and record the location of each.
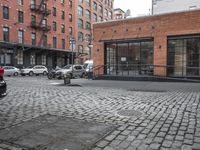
(161, 45)
(82, 15)
(119, 14)
(34, 32)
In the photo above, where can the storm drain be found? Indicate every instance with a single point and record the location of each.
(130, 113)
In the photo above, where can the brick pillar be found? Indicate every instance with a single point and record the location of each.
(98, 57)
(160, 55)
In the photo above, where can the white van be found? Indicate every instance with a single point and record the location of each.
(88, 64)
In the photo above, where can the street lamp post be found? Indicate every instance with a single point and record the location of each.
(90, 45)
(72, 43)
(90, 49)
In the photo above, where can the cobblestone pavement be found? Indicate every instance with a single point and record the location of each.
(162, 116)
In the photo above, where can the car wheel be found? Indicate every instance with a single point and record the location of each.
(31, 73)
(50, 76)
(44, 73)
(16, 74)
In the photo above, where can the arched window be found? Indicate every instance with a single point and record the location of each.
(80, 36)
(80, 11)
(80, 23)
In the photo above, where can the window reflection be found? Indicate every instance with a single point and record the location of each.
(129, 58)
(184, 56)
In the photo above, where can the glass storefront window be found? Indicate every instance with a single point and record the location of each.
(183, 56)
(129, 58)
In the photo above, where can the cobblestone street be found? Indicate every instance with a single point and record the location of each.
(148, 115)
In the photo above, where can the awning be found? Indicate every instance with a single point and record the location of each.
(25, 48)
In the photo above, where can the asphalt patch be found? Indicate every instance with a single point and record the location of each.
(55, 133)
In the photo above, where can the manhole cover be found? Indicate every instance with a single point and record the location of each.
(130, 113)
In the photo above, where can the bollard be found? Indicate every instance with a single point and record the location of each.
(67, 79)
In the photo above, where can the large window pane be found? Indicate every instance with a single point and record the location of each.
(127, 58)
(184, 56)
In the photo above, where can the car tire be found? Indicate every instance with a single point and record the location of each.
(31, 73)
(44, 73)
(16, 74)
(50, 76)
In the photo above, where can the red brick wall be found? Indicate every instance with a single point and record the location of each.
(13, 24)
(157, 27)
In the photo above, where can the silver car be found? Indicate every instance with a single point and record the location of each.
(11, 71)
(38, 69)
(76, 71)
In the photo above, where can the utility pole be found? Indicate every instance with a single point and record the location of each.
(72, 43)
(152, 5)
(90, 45)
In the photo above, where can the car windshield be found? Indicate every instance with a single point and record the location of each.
(67, 67)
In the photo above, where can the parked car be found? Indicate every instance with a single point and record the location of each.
(38, 69)
(3, 85)
(77, 71)
(11, 71)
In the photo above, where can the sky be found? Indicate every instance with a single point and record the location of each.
(137, 7)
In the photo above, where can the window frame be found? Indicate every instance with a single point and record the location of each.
(20, 16)
(5, 12)
(6, 34)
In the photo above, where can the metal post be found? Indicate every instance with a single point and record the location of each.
(90, 52)
(72, 57)
(152, 2)
(72, 42)
(90, 45)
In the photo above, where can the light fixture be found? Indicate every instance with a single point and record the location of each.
(90, 45)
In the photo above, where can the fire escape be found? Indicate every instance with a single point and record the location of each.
(40, 24)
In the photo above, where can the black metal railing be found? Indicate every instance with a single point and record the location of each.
(40, 26)
(146, 70)
(39, 9)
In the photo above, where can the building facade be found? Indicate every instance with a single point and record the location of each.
(82, 15)
(34, 32)
(160, 45)
(167, 6)
(119, 14)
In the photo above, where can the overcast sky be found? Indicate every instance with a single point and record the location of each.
(137, 7)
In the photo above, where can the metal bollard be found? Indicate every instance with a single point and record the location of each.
(67, 79)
